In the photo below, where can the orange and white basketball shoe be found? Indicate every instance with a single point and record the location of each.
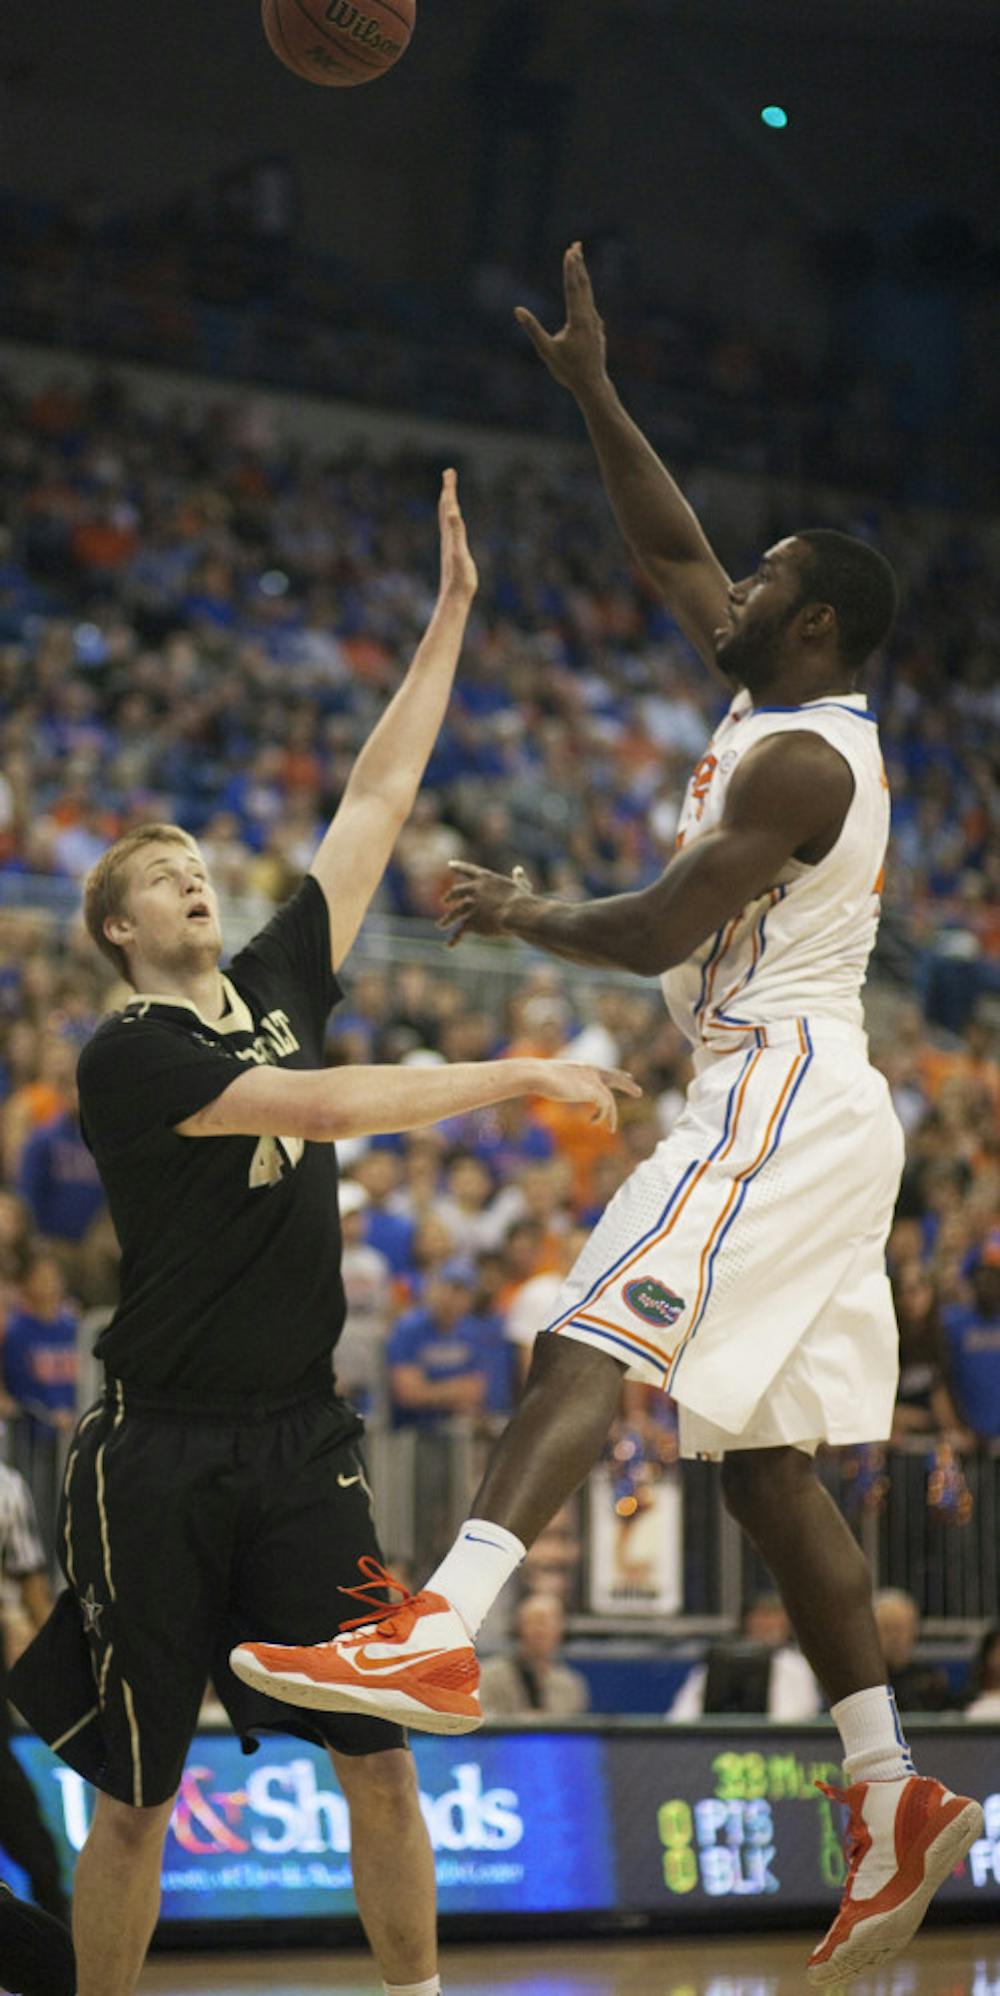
(903, 1839)
(409, 1661)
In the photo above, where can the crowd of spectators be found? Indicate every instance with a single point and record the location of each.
(198, 623)
(221, 285)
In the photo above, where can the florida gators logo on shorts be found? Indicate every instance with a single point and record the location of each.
(652, 1301)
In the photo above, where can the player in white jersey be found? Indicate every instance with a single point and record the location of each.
(741, 1266)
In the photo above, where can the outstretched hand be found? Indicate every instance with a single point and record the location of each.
(458, 570)
(572, 1081)
(575, 355)
(480, 901)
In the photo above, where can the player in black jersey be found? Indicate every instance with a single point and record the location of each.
(217, 1490)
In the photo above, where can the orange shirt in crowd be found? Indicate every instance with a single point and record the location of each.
(939, 1065)
(577, 1139)
(38, 1102)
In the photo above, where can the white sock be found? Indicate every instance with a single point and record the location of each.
(875, 1746)
(432, 1987)
(471, 1575)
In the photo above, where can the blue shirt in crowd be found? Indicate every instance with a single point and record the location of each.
(474, 1344)
(58, 1177)
(392, 1234)
(974, 1350)
(40, 1362)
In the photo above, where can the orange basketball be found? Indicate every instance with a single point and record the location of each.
(336, 42)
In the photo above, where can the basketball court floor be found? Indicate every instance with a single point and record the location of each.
(948, 1961)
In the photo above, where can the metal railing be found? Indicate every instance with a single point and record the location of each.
(926, 1519)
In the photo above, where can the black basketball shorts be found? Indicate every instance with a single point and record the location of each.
(179, 1537)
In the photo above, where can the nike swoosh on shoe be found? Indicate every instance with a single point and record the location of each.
(374, 1665)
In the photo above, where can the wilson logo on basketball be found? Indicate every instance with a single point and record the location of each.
(652, 1301)
(342, 14)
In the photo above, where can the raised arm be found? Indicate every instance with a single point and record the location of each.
(788, 799)
(652, 512)
(387, 775)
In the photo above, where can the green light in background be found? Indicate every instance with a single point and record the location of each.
(774, 116)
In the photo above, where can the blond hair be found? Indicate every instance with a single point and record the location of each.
(105, 887)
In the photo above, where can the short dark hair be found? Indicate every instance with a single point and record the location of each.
(857, 582)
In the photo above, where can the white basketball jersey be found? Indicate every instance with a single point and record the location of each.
(801, 949)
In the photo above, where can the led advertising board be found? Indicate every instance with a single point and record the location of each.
(677, 1825)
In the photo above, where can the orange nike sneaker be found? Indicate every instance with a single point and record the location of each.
(903, 1839)
(410, 1661)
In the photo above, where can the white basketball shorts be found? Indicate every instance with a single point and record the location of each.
(741, 1268)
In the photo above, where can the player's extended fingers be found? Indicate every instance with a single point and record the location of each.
(466, 869)
(540, 339)
(619, 1078)
(456, 935)
(576, 281)
(605, 1114)
(454, 905)
(449, 510)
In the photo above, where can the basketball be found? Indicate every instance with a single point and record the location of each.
(336, 43)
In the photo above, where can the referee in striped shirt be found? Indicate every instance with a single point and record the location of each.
(36, 1953)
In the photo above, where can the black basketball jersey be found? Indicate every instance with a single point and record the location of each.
(230, 1273)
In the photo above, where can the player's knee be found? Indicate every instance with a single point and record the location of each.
(378, 1781)
(132, 1828)
(737, 1486)
(563, 1365)
(754, 1480)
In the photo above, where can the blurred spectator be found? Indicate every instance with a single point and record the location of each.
(973, 1334)
(552, 1564)
(418, 1195)
(506, 1137)
(40, 1369)
(533, 1678)
(522, 1251)
(919, 1687)
(924, 1402)
(39, 1350)
(379, 1172)
(359, 1358)
(41, 1099)
(15, 1244)
(531, 1307)
(984, 1684)
(58, 1179)
(442, 1358)
(762, 1672)
(468, 1209)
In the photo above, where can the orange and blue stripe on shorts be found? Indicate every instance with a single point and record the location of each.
(581, 1313)
(584, 1315)
(737, 1193)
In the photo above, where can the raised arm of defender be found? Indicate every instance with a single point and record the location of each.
(385, 779)
(652, 512)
